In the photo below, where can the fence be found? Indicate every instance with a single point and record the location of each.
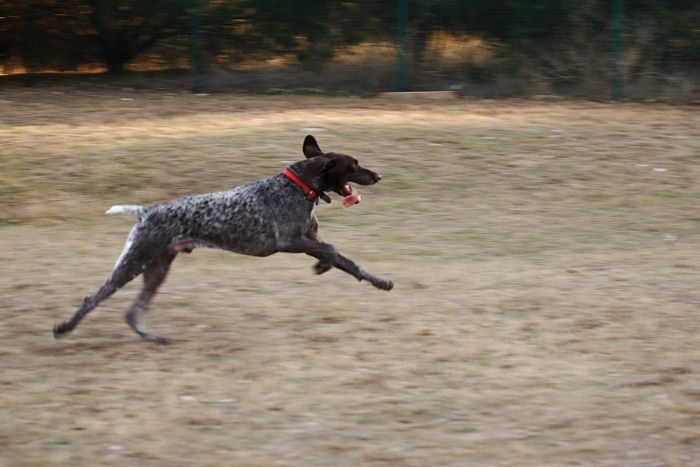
(585, 48)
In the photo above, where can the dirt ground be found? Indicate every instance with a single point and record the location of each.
(546, 308)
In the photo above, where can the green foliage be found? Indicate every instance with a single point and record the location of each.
(65, 34)
(125, 29)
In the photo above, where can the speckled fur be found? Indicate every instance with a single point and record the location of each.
(258, 219)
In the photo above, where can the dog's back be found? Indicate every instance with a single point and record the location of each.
(248, 219)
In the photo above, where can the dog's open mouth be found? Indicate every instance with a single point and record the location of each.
(352, 197)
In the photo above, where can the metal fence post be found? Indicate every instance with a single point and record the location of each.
(402, 33)
(618, 48)
(196, 47)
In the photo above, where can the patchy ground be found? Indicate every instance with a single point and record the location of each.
(546, 312)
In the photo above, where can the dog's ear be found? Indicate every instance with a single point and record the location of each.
(317, 167)
(328, 165)
(311, 148)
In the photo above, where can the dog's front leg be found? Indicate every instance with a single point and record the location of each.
(328, 257)
(347, 265)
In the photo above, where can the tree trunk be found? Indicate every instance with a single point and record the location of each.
(116, 61)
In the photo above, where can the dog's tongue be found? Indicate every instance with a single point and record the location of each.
(352, 198)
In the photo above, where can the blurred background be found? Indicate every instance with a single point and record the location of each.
(597, 49)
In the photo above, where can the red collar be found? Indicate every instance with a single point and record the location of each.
(300, 183)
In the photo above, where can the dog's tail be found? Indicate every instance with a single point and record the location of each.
(127, 209)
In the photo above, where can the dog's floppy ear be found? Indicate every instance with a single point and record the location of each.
(317, 166)
(311, 148)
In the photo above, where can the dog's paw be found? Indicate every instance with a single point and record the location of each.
(383, 284)
(321, 267)
(164, 341)
(158, 339)
(59, 330)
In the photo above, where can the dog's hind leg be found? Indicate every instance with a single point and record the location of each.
(153, 277)
(130, 264)
(111, 285)
(89, 303)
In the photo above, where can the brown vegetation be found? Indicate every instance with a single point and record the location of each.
(545, 313)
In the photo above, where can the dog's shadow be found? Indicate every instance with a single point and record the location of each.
(95, 344)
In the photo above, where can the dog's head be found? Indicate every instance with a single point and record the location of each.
(335, 172)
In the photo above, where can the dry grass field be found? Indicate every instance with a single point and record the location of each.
(546, 312)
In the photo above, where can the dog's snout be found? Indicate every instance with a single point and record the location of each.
(367, 177)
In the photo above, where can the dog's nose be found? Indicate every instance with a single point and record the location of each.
(377, 176)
